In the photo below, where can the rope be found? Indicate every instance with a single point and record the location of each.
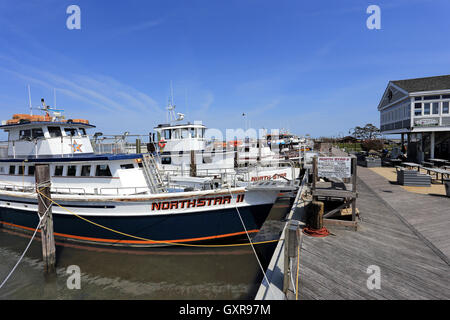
(323, 232)
(250, 241)
(27, 247)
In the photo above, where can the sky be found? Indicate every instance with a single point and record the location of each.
(312, 67)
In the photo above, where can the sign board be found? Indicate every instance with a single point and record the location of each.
(426, 122)
(334, 167)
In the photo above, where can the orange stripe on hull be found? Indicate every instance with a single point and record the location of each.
(135, 241)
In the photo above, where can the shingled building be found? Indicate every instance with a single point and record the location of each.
(419, 109)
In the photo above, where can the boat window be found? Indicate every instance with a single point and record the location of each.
(2, 169)
(25, 134)
(86, 171)
(127, 166)
(184, 133)
(167, 134)
(166, 160)
(37, 133)
(21, 167)
(12, 169)
(31, 170)
(82, 131)
(54, 131)
(58, 171)
(71, 171)
(71, 132)
(103, 171)
(140, 165)
(192, 133)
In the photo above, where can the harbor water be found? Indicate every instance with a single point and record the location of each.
(139, 273)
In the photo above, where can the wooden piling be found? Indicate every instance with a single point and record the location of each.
(42, 178)
(193, 165)
(138, 145)
(316, 215)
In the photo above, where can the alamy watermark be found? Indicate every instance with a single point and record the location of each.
(374, 20)
(74, 20)
(74, 279)
(374, 280)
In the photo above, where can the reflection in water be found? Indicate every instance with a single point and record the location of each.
(145, 273)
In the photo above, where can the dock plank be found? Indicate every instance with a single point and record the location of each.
(335, 267)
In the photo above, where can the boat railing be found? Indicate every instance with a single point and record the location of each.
(123, 191)
(15, 188)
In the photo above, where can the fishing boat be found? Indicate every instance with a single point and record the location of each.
(116, 199)
(183, 147)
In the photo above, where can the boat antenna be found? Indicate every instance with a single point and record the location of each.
(54, 97)
(29, 100)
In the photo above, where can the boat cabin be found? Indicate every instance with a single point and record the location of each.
(41, 136)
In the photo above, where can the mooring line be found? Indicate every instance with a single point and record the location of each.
(250, 241)
(27, 247)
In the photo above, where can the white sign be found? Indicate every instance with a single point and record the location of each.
(334, 167)
(308, 159)
(426, 122)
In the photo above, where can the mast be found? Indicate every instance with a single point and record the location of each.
(29, 101)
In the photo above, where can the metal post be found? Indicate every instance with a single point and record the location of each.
(291, 243)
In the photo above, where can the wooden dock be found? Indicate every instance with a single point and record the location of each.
(408, 240)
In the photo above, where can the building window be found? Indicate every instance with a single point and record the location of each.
(426, 108)
(103, 171)
(85, 171)
(54, 132)
(435, 107)
(58, 171)
(417, 109)
(71, 171)
(445, 107)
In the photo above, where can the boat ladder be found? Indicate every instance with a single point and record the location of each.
(152, 174)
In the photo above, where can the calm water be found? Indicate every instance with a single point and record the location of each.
(155, 273)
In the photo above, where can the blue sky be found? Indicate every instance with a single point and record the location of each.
(308, 66)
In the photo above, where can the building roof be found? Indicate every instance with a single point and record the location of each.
(424, 84)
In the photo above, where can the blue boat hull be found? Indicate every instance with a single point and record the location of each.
(151, 230)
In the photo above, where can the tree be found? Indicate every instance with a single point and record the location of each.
(368, 132)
